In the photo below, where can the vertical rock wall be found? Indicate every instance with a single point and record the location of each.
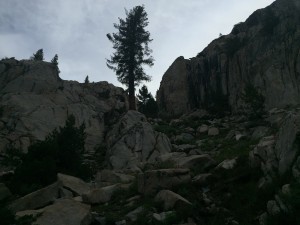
(263, 51)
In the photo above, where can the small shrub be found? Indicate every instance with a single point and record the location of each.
(232, 148)
(8, 218)
(13, 157)
(166, 129)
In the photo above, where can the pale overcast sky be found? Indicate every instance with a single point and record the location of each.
(76, 31)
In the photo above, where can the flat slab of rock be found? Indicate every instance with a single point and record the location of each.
(111, 176)
(227, 164)
(100, 195)
(37, 199)
(186, 147)
(171, 200)
(198, 162)
(213, 131)
(154, 180)
(62, 212)
(173, 156)
(74, 184)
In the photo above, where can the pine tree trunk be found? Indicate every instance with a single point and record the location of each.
(131, 93)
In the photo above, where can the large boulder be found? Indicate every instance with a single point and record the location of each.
(34, 101)
(285, 148)
(110, 176)
(132, 142)
(62, 212)
(196, 162)
(264, 156)
(171, 200)
(73, 184)
(37, 199)
(174, 89)
(154, 180)
(100, 195)
(276, 155)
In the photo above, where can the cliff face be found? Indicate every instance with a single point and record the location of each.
(34, 101)
(262, 51)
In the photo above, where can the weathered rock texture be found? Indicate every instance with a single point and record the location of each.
(262, 51)
(132, 142)
(34, 101)
(276, 155)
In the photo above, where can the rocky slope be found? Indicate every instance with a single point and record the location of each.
(34, 101)
(262, 51)
(217, 171)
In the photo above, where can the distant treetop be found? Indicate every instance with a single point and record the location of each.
(38, 56)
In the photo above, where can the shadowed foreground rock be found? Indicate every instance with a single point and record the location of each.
(62, 212)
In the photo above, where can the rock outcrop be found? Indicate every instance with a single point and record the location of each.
(34, 101)
(132, 142)
(262, 51)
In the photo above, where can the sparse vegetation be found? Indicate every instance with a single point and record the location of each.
(8, 218)
(146, 103)
(54, 61)
(86, 80)
(38, 56)
(166, 129)
(61, 151)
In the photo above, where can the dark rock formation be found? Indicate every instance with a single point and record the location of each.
(262, 51)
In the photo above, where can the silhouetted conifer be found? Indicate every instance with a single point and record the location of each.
(147, 104)
(86, 80)
(38, 56)
(131, 50)
(54, 61)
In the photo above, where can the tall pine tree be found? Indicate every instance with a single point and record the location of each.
(131, 50)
